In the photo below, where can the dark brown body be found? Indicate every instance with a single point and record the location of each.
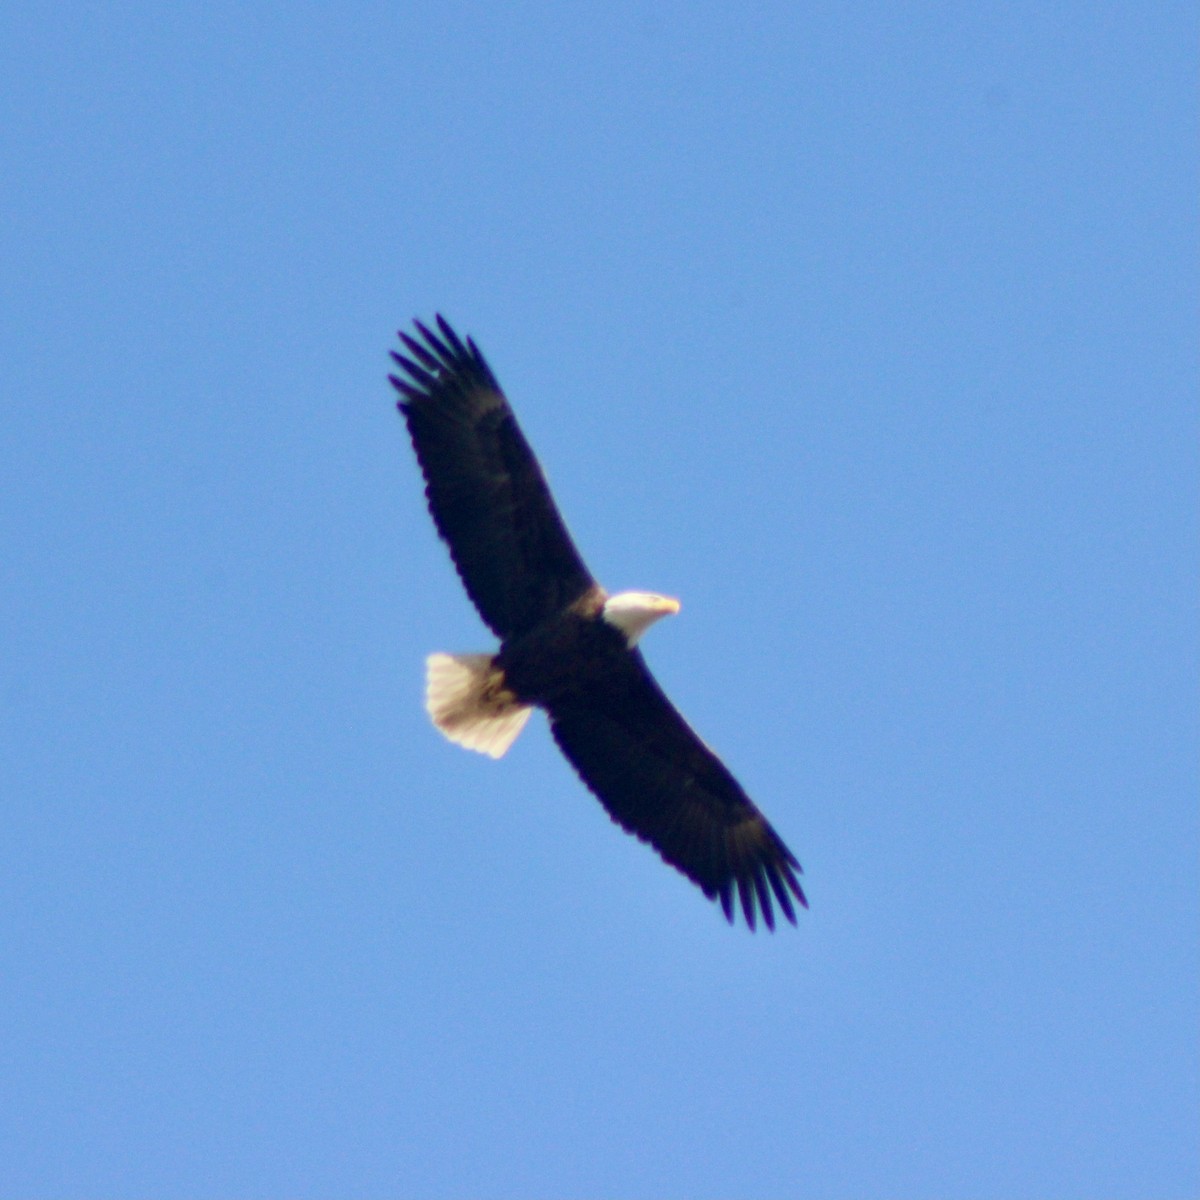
(573, 650)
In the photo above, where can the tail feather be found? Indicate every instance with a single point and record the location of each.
(466, 698)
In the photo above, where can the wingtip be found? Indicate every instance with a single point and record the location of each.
(746, 895)
(764, 901)
(405, 389)
(448, 333)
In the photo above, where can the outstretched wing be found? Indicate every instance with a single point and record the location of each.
(486, 492)
(659, 781)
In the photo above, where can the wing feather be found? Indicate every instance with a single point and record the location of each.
(660, 782)
(487, 494)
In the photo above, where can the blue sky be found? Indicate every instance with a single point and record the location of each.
(870, 332)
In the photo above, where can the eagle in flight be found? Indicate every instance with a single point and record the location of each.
(566, 645)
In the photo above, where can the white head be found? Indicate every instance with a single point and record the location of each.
(634, 612)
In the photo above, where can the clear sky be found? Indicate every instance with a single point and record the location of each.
(869, 331)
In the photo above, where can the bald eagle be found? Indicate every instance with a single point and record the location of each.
(566, 645)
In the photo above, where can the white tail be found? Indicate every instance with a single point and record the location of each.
(467, 700)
